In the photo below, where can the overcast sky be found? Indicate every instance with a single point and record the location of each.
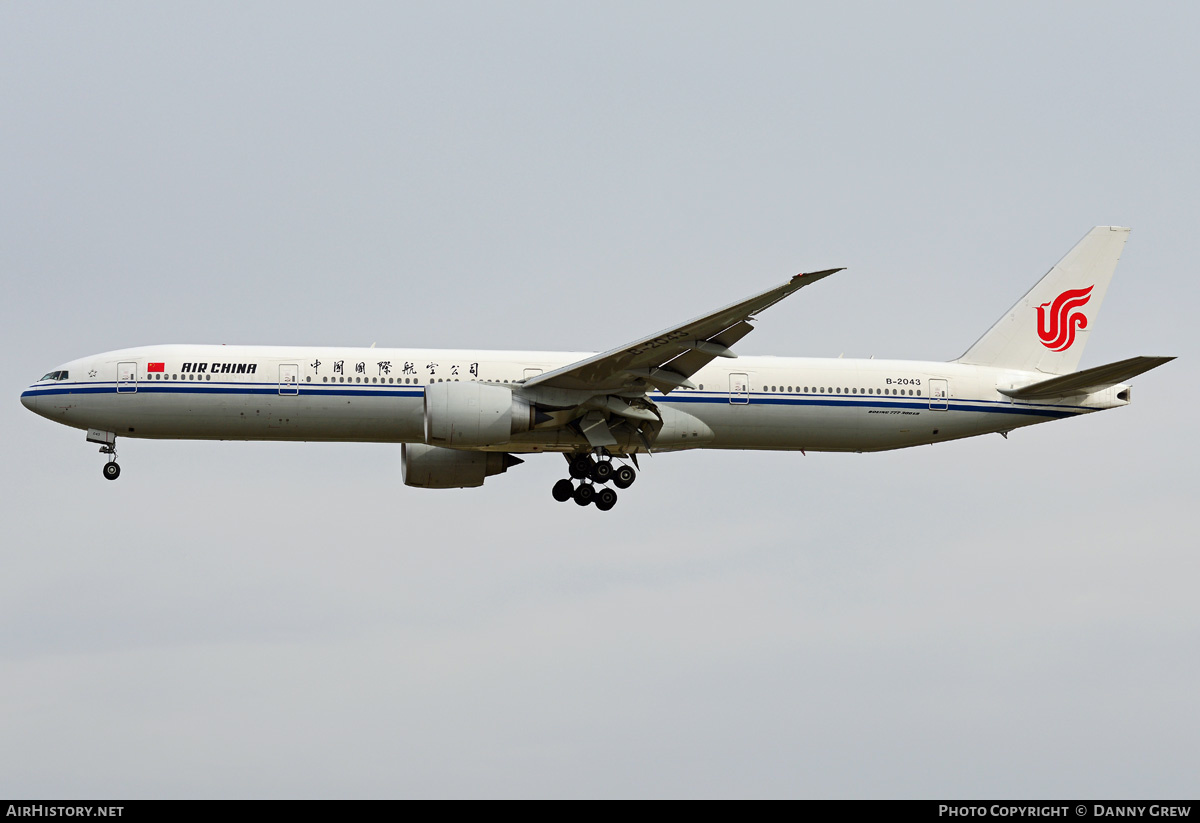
(981, 618)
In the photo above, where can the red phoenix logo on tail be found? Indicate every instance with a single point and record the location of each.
(1059, 333)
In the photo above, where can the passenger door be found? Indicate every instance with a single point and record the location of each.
(289, 378)
(127, 377)
(739, 388)
(939, 394)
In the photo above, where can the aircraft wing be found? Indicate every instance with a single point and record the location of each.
(667, 359)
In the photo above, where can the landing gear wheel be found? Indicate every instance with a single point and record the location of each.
(606, 499)
(602, 471)
(563, 491)
(624, 477)
(585, 494)
(581, 467)
(112, 471)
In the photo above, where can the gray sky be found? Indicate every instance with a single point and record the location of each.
(981, 618)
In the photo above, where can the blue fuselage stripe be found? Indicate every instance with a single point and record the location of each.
(755, 399)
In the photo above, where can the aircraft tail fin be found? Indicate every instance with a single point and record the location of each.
(1086, 381)
(1047, 329)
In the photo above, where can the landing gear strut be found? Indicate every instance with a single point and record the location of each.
(594, 472)
(111, 470)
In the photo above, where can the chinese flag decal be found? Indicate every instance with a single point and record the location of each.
(153, 367)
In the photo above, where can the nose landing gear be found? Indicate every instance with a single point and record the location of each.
(108, 445)
(111, 470)
(593, 473)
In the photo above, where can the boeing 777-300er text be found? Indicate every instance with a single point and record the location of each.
(462, 416)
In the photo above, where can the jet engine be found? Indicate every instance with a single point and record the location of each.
(433, 467)
(474, 414)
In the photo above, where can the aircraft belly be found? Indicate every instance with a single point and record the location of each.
(844, 427)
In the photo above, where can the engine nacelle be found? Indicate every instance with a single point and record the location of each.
(473, 414)
(433, 467)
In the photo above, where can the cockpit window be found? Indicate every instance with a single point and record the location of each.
(55, 375)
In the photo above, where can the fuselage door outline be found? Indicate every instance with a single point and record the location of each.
(939, 394)
(289, 378)
(739, 388)
(127, 377)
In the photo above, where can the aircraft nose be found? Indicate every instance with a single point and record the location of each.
(29, 401)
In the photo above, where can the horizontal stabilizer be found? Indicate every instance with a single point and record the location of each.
(1088, 380)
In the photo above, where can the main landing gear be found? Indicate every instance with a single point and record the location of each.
(593, 473)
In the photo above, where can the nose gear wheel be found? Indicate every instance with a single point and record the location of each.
(111, 470)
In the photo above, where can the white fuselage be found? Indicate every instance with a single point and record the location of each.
(378, 395)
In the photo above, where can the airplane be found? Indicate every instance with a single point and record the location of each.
(462, 416)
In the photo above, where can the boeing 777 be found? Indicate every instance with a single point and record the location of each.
(462, 416)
